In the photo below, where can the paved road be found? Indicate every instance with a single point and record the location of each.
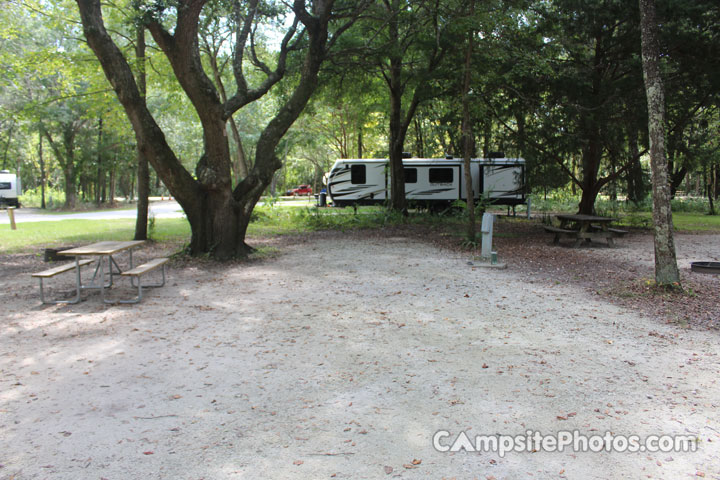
(159, 208)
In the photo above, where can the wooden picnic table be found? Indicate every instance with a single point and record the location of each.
(585, 227)
(105, 252)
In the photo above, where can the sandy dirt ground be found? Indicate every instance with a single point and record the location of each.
(341, 358)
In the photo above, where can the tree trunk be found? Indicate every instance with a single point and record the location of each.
(100, 180)
(467, 133)
(111, 186)
(143, 168)
(591, 158)
(241, 168)
(397, 171)
(41, 160)
(70, 190)
(708, 188)
(613, 184)
(666, 270)
(521, 140)
(419, 140)
(7, 145)
(396, 134)
(635, 186)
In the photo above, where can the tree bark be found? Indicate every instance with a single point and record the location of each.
(394, 77)
(666, 270)
(467, 132)
(100, 180)
(41, 160)
(419, 140)
(7, 144)
(397, 132)
(709, 188)
(143, 168)
(240, 165)
(636, 191)
(676, 179)
(111, 186)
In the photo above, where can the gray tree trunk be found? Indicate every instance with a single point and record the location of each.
(143, 170)
(467, 133)
(666, 270)
(100, 174)
(42, 170)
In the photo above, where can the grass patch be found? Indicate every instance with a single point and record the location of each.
(267, 221)
(32, 235)
(683, 221)
(693, 222)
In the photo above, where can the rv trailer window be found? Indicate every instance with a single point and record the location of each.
(441, 175)
(4, 185)
(411, 175)
(357, 174)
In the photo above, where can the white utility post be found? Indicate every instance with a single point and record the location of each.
(487, 231)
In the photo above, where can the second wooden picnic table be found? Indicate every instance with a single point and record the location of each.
(585, 227)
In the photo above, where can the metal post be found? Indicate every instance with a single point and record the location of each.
(11, 215)
(487, 230)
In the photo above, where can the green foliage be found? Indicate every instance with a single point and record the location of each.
(32, 197)
(551, 78)
(565, 201)
(284, 220)
(151, 227)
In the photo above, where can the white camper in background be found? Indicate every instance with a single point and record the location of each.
(429, 182)
(9, 189)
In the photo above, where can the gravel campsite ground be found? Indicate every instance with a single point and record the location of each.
(341, 355)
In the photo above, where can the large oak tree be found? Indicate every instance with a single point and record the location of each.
(218, 213)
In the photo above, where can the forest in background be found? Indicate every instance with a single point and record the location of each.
(558, 83)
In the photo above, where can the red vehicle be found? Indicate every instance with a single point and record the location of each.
(300, 190)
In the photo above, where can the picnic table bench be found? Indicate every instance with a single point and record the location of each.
(138, 272)
(585, 228)
(57, 271)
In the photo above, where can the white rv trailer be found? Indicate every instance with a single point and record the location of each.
(431, 182)
(9, 189)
